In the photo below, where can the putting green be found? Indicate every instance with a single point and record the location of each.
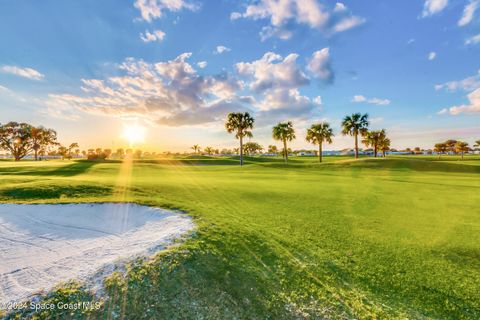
(373, 238)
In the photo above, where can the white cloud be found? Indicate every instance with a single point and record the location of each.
(173, 93)
(276, 99)
(2, 88)
(155, 35)
(443, 111)
(376, 101)
(273, 71)
(473, 40)
(473, 107)
(467, 84)
(432, 55)
(306, 12)
(60, 106)
(376, 120)
(277, 80)
(222, 49)
(410, 41)
(359, 98)
(154, 9)
(379, 102)
(202, 64)
(269, 31)
(235, 15)
(348, 23)
(320, 66)
(431, 7)
(281, 105)
(339, 7)
(23, 72)
(468, 13)
(167, 92)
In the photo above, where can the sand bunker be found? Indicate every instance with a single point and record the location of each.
(43, 245)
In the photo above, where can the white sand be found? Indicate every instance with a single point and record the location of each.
(43, 245)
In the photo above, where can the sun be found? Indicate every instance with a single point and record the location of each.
(134, 134)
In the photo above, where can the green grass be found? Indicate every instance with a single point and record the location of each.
(368, 239)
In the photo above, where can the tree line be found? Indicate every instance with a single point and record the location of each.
(355, 125)
(22, 139)
(453, 146)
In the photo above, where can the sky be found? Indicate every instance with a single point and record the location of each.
(92, 69)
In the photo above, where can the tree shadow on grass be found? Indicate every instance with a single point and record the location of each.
(69, 170)
(54, 192)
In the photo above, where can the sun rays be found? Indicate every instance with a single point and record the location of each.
(134, 134)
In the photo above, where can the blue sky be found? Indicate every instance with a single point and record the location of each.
(90, 68)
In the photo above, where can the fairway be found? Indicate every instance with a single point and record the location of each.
(390, 238)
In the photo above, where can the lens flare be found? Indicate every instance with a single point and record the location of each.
(134, 134)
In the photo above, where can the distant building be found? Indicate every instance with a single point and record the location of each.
(306, 154)
(399, 152)
(351, 152)
(331, 153)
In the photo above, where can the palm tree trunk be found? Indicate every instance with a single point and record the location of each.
(285, 151)
(320, 152)
(356, 146)
(241, 150)
(36, 155)
(375, 151)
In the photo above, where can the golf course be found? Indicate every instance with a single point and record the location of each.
(369, 238)
(240, 160)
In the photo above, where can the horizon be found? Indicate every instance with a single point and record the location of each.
(88, 70)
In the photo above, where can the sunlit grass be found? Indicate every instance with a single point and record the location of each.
(375, 238)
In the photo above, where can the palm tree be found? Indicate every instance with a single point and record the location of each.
(354, 125)
(384, 146)
(252, 148)
(284, 131)
(319, 133)
(208, 150)
(451, 145)
(477, 143)
(272, 149)
(440, 148)
(374, 139)
(241, 124)
(461, 147)
(196, 148)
